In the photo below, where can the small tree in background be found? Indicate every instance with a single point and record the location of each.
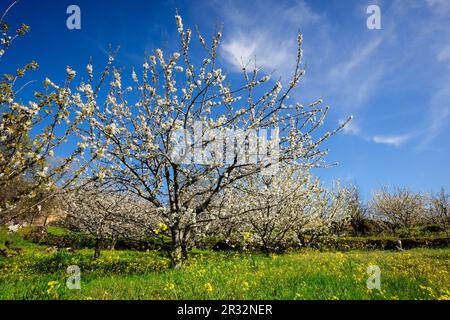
(401, 208)
(106, 215)
(439, 209)
(357, 211)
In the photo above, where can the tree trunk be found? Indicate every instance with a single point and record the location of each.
(179, 248)
(45, 221)
(98, 248)
(184, 251)
(112, 245)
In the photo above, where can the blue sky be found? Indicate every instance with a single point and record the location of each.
(394, 81)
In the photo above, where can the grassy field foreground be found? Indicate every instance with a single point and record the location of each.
(410, 274)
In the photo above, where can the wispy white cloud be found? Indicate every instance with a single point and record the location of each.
(345, 75)
(353, 128)
(359, 57)
(254, 47)
(443, 53)
(265, 33)
(438, 115)
(353, 81)
(391, 140)
(438, 112)
(441, 7)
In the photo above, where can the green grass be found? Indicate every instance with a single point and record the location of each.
(17, 240)
(410, 274)
(56, 231)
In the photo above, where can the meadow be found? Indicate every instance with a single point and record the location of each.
(419, 273)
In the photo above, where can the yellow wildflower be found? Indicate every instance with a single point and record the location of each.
(209, 287)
